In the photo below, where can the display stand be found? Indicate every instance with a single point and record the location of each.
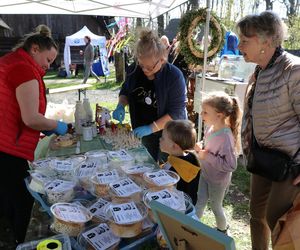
(183, 232)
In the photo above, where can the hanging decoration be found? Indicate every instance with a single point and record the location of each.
(192, 27)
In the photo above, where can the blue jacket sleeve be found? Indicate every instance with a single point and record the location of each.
(176, 105)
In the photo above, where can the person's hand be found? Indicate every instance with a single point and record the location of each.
(61, 129)
(202, 154)
(142, 131)
(296, 181)
(119, 113)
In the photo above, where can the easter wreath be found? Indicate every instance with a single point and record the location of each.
(192, 36)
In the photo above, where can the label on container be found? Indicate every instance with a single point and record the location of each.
(42, 163)
(120, 155)
(170, 199)
(160, 178)
(101, 237)
(70, 213)
(87, 169)
(125, 187)
(61, 165)
(107, 177)
(59, 186)
(98, 208)
(126, 213)
(137, 169)
(39, 177)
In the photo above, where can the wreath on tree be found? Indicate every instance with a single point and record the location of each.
(191, 37)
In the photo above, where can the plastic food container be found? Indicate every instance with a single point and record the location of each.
(59, 191)
(98, 210)
(118, 158)
(101, 181)
(138, 169)
(98, 237)
(84, 172)
(173, 198)
(65, 167)
(126, 219)
(63, 239)
(161, 178)
(97, 156)
(38, 181)
(69, 218)
(43, 166)
(124, 190)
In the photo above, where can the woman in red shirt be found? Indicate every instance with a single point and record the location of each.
(22, 109)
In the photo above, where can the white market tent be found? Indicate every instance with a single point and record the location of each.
(126, 8)
(77, 39)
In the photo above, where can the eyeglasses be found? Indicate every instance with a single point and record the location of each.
(149, 69)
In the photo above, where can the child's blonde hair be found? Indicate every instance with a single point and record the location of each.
(182, 132)
(229, 106)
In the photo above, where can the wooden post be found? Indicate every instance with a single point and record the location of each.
(120, 67)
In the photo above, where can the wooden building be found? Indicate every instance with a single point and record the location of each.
(60, 25)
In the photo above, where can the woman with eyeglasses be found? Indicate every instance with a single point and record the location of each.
(155, 92)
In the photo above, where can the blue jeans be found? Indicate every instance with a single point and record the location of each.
(216, 195)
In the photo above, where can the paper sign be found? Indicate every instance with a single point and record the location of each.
(101, 237)
(98, 208)
(126, 213)
(125, 187)
(160, 178)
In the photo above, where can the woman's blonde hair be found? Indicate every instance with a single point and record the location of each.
(229, 106)
(265, 25)
(41, 37)
(149, 44)
(182, 132)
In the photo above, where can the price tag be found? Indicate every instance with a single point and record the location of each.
(108, 176)
(87, 169)
(59, 186)
(170, 199)
(160, 178)
(70, 213)
(98, 208)
(126, 213)
(125, 187)
(63, 165)
(101, 237)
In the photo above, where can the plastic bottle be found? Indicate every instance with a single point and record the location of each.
(80, 117)
(88, 110)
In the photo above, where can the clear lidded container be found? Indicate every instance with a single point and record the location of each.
(126, 219)
(59, 191)
(69, 218)
(161, 179)
(101, 181)
(98, 235)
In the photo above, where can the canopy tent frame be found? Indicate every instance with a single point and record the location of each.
(148, 9)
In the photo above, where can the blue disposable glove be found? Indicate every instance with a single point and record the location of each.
(119, 113)
(61, 129)
(142, 131)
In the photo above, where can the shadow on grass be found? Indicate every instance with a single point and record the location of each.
(108, 84)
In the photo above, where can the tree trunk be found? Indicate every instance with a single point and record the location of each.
(269, 5)
(161, 25)
(120, 67)
(193, 4)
